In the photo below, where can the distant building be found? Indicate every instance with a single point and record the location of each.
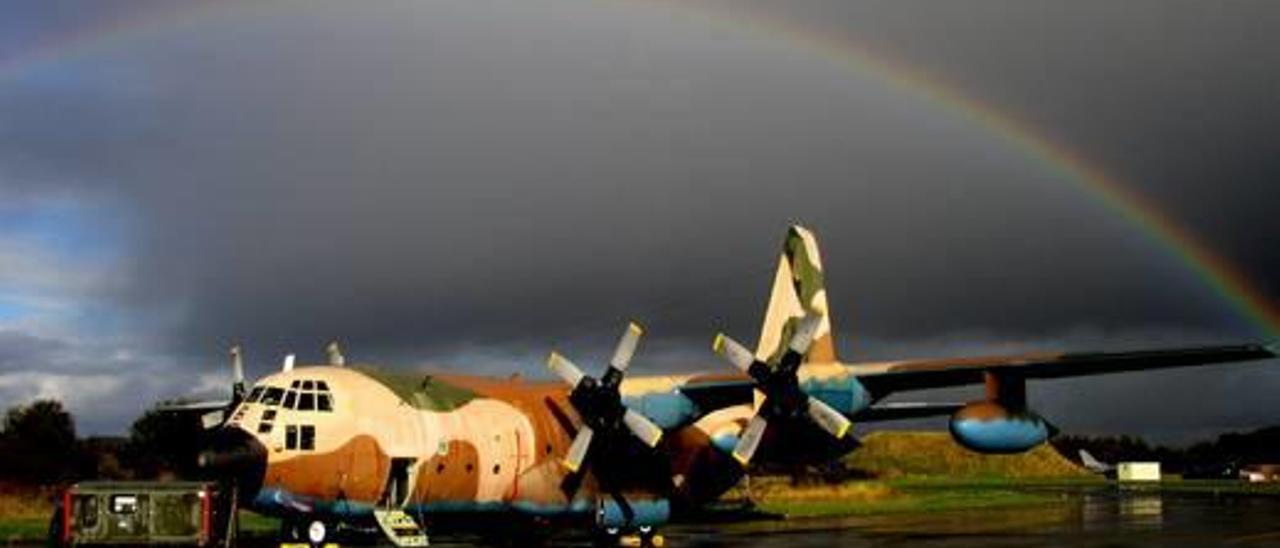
(1258, 473)
(1138, 471)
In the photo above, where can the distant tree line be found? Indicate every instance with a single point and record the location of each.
(39, 446)
(1256, 447)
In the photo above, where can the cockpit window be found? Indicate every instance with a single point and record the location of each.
(255, 394)
(265, 424)
(294, 384)
(307, 395)
(307, 438)
(272, 396)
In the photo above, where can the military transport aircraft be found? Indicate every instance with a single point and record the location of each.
(323, 445)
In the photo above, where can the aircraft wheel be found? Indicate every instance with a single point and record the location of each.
(606, 536)
(318, 532)
(650, 537)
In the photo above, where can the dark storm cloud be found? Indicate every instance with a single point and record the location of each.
(1174, 98)
(473, 183)
(22, 351)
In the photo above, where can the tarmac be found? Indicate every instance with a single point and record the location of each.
(1094, 517)
(1086, 517)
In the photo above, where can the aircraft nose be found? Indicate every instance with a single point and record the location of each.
(234, 455)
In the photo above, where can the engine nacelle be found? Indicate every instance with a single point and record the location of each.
(645, 513)
(988, 427)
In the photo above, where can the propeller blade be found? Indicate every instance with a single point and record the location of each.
(806, 328)
(212, 419)
(828, 418)
(643, 428)
(288, 363)
(237, 375)
(626, 347)
(565, 369)
(750, 440)
(737, 354)
(334, 351)
(237, 365)
(578, 449)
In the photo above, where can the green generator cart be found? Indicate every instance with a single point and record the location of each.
(134, 513)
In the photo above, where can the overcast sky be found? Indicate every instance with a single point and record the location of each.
(468, 184)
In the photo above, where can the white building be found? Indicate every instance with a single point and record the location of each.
(1138, 471)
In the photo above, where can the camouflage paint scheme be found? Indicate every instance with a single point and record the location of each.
(481, 444)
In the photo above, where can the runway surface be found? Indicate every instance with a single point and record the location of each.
(1093, 517)
(1102, 516)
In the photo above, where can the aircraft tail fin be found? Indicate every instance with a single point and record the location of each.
(1092, 463)
(798, 290)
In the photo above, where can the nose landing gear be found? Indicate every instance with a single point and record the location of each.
(314, 533)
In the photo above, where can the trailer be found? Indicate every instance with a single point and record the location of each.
(1138, 472)
(139, 513)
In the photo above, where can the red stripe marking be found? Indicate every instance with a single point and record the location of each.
(66, 516)
(204, 516)
(515, 478)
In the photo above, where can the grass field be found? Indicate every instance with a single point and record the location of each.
(24, 514)
(890, 455)
(914, 472)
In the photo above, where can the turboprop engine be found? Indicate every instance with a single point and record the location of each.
(988, 427)
(1002, 423)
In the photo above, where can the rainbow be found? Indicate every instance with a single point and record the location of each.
(1223, 278)
(103, 34)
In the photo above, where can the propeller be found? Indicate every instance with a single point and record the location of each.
(334, 351)
(237, 376)
(599, 403)
(783, 397)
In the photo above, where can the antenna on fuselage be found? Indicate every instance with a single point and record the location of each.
(288, 362)
(335, 354)
(237, 375)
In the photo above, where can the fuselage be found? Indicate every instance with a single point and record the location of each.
(343, 441)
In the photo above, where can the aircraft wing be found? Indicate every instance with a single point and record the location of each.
(711, 392)
(882, 379)
(905, 410)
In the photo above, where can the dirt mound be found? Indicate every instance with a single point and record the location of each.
(892, 454)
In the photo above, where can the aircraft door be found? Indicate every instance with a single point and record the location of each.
(399, 483)
(518, 447)
(517, 461)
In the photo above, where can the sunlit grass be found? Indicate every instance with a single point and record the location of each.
(887, 455)
(18, 503)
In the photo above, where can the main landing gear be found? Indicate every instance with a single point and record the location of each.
(642, 536)
(314, 533)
